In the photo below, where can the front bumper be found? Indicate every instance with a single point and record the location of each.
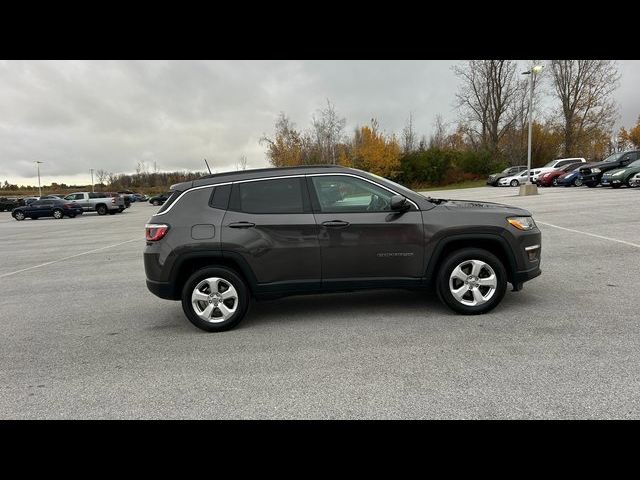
(591, 179)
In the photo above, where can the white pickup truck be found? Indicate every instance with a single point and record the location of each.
(97, 202)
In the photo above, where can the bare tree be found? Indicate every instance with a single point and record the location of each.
(241, 163)
(101, 176)
(328, 130)
(439, 137)
(486, 98)
(584, 89)
(409, 136)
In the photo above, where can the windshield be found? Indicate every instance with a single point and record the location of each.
(614, 157)
(401, 188)
(550, 164)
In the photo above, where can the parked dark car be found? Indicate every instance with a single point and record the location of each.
(47, 208)
(158, 200)
(572, 178)
(592, 176)
(550, 179)
(225, 238)
(507, 172)
(52, 196)
(620, 176)
(9, 203)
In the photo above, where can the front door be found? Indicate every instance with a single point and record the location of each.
(360, 236)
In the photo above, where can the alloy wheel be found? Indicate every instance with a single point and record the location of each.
(473, 282)
(214, 300)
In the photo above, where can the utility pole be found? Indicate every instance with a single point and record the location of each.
(92, 184)
(38, 162)
(529, 188)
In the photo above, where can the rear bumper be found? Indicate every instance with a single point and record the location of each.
(161, 289)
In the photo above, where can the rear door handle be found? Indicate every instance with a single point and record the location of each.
(242, 225)
(335, 224)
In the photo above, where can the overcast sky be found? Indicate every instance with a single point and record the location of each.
(77, 115)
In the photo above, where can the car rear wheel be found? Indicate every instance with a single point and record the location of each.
(215, 299)
(58, 214)
(514, 183)
(554, 182)
(18, 216)
(155, 203)
(471, 281)
(101, 209)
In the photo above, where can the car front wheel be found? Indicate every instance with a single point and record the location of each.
(215, 299)
(514, 183)
(554, 182)
(577, 182)
(471, 281)
(18, 216)
(58, 214)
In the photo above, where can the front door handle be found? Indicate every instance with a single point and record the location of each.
(335, 224)
(242, 225)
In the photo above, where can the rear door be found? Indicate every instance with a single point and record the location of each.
(269, 226)
(360, 237)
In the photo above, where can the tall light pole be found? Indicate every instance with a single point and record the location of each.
(92, 184)
(530, 188)
(38, 162)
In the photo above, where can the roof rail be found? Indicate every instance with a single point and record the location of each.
(268, 169)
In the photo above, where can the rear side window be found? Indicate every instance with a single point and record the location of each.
(284, 195)
(220, 197)
(172, 198)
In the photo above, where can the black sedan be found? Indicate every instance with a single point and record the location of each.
(159, 199)
(47, 208)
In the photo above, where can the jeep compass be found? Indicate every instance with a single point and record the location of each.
(224, 239)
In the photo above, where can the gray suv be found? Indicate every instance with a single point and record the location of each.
(223, 239)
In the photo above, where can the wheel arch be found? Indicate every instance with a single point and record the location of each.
(490, 242)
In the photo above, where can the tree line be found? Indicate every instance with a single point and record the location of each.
(490, 132)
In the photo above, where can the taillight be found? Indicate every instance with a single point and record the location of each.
(155, 231)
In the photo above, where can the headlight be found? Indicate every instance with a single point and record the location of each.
(617, 173)
(595, 170)
(522, 223)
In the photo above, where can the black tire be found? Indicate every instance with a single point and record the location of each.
(72, 215)
(227, 275)
(58, 214)
(514, 183)
(113, 212)
(592, 185)
(101, 209)
(554, 182)
(155, 203)
(19, 216)
(458, 257)
(577, 182)
(616, 185)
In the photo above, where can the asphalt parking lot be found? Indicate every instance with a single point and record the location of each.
(81, 337)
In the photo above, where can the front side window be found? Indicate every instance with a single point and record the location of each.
(340, 194)
(283, 195)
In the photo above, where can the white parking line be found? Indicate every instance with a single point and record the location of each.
(589, 234)
(71, 256)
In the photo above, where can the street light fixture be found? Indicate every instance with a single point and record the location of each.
(38, 162)
(529, 188)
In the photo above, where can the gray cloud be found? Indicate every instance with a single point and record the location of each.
(77, 115)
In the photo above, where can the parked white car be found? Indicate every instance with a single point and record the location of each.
(552, 165)
(514, 180)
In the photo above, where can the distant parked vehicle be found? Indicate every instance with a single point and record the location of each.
(572, 178)
(29, 200)
(97, 202)
(125, 198)
(549, 179)
(514, 180)
(592, 176)
(52, 196)
(507, 172)
(635, 180)
(140, 197)
(552, 165)
(620, 176)
(9, 203)
(159, 199)
(49, 207)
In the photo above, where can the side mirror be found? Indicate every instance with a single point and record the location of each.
(399, 203)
